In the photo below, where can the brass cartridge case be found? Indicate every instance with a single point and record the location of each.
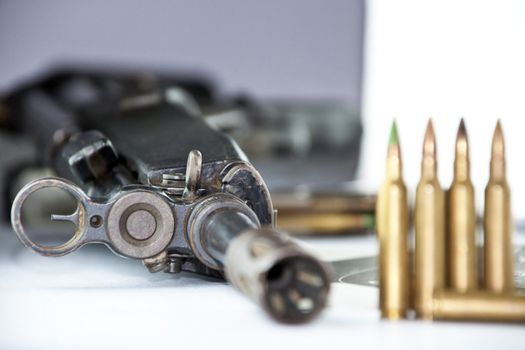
(392, 227)
(325, 223)
(498, 262)
(479, 306)
(306, 212)
(462, 269)
(430, 231)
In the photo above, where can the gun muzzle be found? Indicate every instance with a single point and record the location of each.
(266, 265)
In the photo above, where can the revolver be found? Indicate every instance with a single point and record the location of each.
(153, 181)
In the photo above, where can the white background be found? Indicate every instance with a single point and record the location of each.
(446, 60)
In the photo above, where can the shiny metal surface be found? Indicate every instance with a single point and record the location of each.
(224, 233)
(136, 244)
(499, 265)
(479, 306)
(199, 230)
(290, 284)
(80, 236)
(392, 230)
(462, 262)
(429, 254)
(338, 211)
(193, 175)
(111, 223)
(141, 224)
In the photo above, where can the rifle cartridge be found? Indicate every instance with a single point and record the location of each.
(499, 265)
(307, 212)
(462, 267)
(429, 229)
(392, 228)
(479, 306)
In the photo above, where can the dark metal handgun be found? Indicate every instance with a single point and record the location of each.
(153, 181)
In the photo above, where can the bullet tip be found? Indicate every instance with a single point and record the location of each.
(498, 142)
(462, 130)
(429, 143)
(499, 129)
(393, 134)
(461, 140)
(393, 142)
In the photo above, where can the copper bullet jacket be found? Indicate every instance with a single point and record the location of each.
(479, 306)
(392, 227)
(462, 269)
(430, 231)
(498, 252)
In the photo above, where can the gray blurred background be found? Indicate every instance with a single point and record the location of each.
(299, 50)
(271, 48)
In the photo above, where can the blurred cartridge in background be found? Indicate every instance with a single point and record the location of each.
(311, 212)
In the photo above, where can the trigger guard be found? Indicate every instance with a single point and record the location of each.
(74, 242)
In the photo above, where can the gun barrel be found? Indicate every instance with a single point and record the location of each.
(266, 265)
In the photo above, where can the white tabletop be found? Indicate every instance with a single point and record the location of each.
(94, 299)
